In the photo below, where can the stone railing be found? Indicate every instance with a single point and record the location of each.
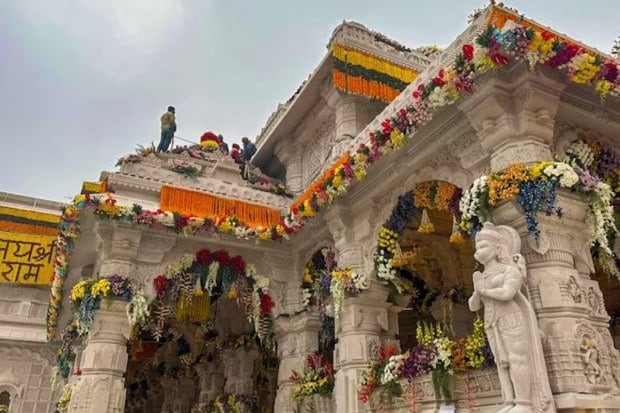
(217, 174)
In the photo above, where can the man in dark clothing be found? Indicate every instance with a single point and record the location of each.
(249, 149)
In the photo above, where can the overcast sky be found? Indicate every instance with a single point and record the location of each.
(83, 82)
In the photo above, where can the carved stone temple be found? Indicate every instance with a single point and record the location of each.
(421, 229)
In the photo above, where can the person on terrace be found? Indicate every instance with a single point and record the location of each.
(223, 146)
(236, 154)
(249, 149)
(210, 141)
(168, 127)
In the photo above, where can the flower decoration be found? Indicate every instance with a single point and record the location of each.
(233, 403)
(317, 278)
(197, 280)
(535, 190)
(86, 297)
(187, 169)
(344, 282)
(316, 377)
(390, 376)
(435, 195)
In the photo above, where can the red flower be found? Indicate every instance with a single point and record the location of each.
(468, 52)
(238, 264)
(499, 59)
(387, 351)
(438, 81)
(204, 257)
(160, 283)
(222, 257)
(387, 127)
(266, 304)
(547, 35)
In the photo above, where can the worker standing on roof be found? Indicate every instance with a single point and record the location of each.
(168, 127)
(249, 149)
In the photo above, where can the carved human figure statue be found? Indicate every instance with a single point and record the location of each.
(510, 322)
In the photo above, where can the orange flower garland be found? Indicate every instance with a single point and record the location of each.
(202, 204)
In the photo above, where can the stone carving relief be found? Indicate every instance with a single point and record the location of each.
(590, 354)
(510, 321)
(318, 151)
(574, 289)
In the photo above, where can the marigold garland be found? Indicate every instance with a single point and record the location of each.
(195, 203)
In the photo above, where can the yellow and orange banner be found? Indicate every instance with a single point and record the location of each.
(26, 259)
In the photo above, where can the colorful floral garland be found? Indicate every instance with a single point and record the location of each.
(437, 195)
(215, 273)
(86, 297)
(105, 207)
(233, 403)
(535, 189)
(316, 377)
(435, 353)
(360, 73)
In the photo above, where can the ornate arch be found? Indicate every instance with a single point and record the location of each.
(396, 216)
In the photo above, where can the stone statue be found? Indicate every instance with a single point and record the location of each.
(510, 322)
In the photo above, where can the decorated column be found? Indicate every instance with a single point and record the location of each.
(514, 116)
(363, 322)
(239, 370)
(211, 382)
(101, 387)
(353, 113)
(298, 337)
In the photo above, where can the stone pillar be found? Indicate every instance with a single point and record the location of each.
(353, 113)
(211, 382)
(297, 336)
(292, 159)
(513, 114)
(101, 387)
(239, 370)
(363, 321)
(579, 350)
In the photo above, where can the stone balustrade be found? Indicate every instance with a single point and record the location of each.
(217, 174)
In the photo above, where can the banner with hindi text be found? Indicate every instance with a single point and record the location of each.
(26, 259)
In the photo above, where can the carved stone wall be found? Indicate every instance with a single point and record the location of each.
(317, 153)
(25, 372)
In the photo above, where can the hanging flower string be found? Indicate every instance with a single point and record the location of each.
(197, 280)
(431, 195)
(535, 190)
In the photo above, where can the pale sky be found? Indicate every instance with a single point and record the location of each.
(83, 82)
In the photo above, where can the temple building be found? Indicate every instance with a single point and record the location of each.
(420, 230)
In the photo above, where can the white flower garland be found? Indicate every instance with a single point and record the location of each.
(211, 281)
(138, 309)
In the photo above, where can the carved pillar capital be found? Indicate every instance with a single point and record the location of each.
(153, 247)
(118, 248)
(513, 114)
